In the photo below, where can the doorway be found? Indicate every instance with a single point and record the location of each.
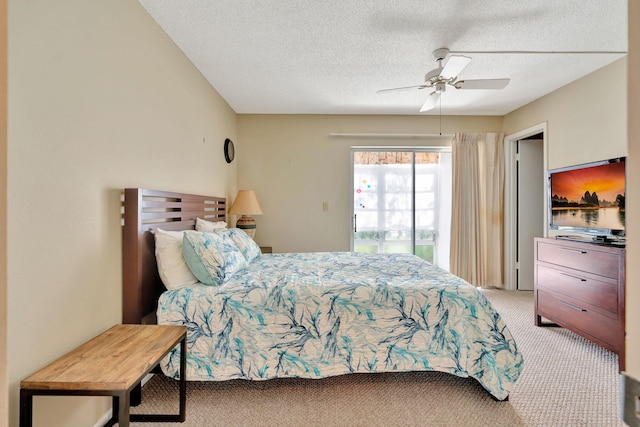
(525, 203)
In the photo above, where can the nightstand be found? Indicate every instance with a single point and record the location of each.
(266, 249)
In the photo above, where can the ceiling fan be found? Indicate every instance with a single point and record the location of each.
(447, 75)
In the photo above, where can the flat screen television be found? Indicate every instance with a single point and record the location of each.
(589, 198)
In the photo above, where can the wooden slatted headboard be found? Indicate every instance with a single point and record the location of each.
(144, 211)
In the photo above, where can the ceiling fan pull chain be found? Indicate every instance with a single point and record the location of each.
(440, 116)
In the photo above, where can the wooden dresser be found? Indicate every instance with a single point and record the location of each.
(580, 286)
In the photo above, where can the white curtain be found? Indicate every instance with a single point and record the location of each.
(478, 205)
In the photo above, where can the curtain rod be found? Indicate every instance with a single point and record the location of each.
(390, 135)
(418, 148)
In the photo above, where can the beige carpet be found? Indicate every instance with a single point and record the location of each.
(566, 381)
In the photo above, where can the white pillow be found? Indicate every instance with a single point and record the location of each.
(209, 226)
(172, 267)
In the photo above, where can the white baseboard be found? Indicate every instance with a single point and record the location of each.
(103, 419)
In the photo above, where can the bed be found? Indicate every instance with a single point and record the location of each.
(309, 315)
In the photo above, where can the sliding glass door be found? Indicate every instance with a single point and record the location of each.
(401, 202)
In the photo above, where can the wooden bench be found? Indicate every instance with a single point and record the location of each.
(111, 364)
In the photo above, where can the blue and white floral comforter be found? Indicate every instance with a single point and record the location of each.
(316, 315)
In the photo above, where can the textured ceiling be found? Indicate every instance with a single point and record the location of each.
(330, 57)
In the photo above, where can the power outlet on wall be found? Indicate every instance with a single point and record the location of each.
(630, 400)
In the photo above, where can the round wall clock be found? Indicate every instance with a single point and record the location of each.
(229, 151)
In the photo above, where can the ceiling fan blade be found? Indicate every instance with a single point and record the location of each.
(482, 84)
(431, 101)
(455, 64)
(422, 86)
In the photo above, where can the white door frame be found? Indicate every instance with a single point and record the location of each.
(510, 199)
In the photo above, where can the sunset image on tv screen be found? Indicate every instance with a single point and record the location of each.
(589, 197)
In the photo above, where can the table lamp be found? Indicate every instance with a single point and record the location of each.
(246, 204)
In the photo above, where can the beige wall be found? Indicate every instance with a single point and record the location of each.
(633, 197)
(4, 398)
(294, 165)
(586, 119)
(99, 99)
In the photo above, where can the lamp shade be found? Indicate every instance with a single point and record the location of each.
(246, 203)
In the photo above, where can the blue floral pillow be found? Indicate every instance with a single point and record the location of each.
(211, 257)
(248, 247)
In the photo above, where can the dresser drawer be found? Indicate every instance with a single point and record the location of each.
(575, 315)
(579, 286)
(580, 258)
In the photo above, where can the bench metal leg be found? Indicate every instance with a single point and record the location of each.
(114, 413)
(26, 408)
(181, 416)
(183, 380)
(135, 398)
(123, 409)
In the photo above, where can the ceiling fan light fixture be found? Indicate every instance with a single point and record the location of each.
(433, 75)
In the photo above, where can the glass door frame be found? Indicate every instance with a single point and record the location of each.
(411, 149)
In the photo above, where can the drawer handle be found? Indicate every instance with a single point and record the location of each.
(574, 277)
(575, 307)
(573, 250)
